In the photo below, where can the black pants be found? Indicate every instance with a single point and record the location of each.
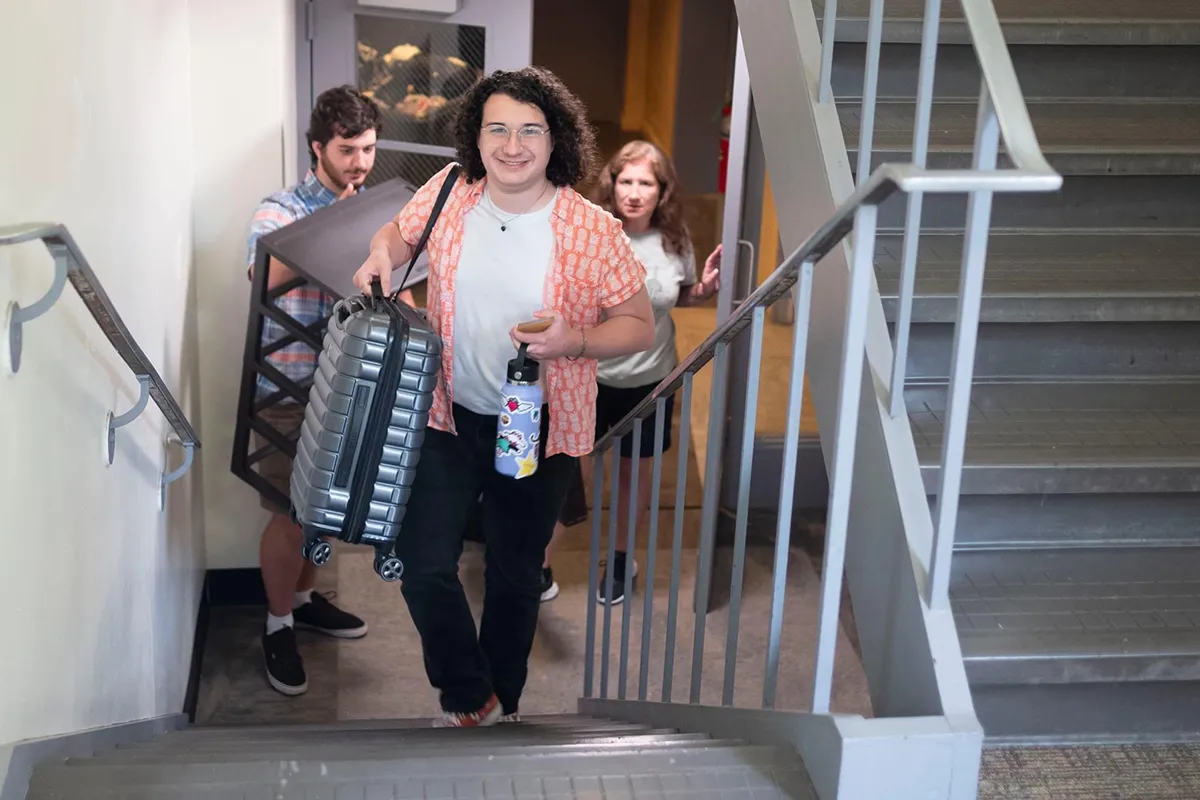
(518, 520)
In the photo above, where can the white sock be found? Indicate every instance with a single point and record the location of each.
(275, 623)
(302, 598)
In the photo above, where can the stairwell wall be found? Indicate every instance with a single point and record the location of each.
(244, 107)
(150, 128)
(100, 588)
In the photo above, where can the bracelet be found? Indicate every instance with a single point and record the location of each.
(582, 345)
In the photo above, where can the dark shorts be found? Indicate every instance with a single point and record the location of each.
(276, 467)
(612, 405)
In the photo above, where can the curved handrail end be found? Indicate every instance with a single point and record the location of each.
(29, 232)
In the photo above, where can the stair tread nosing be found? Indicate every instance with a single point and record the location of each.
(697, 767)
(1150, 136)
(1051, 276)
(1050, 12)
(1114, 431)
(1059, 22)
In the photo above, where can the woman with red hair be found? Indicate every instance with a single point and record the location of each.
(639, 187)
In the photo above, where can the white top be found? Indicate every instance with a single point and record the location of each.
(665, 273)
(500, 280)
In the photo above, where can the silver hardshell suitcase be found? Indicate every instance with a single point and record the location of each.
(365, 422)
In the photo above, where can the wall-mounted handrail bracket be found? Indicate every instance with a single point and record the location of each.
(17, 315)
(189, 452)
(111, 422)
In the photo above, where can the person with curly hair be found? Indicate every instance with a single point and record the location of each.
(640, 187)
(514, 241)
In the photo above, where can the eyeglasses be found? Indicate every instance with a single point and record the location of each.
(526, 133)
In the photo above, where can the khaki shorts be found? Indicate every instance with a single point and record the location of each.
(276, 467)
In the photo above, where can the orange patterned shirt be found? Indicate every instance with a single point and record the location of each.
(593, 267)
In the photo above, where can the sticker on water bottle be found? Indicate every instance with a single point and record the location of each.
(515, 405)
(527, 465)
(510, 443)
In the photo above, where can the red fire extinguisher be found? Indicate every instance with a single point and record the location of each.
(723, 164)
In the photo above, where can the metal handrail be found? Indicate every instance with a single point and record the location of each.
(999, 76)
(884, 181)
(70, 265)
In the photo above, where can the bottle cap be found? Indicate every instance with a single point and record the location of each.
(523, 369)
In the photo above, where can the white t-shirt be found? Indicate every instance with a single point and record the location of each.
(499, 282)
(665, 273)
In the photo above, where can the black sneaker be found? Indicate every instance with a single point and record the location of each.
(320, 615)
(549, 589)
(618, 589)
(285, 669)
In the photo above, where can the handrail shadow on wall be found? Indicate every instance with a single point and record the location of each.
(69, 264)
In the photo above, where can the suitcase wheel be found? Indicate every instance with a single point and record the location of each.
(318, 553)
(389, 568)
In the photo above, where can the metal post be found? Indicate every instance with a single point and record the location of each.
(846, 433)
(735, 180)
(614, 485)
(866, 134)
(685, 422)
(828, 35)
(660, 423)
(962, 371)
(630, 558)
(787, 483)
(589, 658)
(708, 519)
(743, 503)
(912, 222)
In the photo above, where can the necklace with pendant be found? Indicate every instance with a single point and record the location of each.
(495, 210)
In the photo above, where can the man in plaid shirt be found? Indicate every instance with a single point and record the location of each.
(341, 137)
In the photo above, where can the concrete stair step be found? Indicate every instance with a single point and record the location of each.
(375, 750)
(401, 728)
(1053, 276)
(1098, 202)
(1078, 615)
(533, 772)
(385, 723)
(1112, 713)
(502, 733)
(1067, 437)
(1061, 521)
(1163, 352)
(1058, 22)
(1078, 137)
(1045, 71)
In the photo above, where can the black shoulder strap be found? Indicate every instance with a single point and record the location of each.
(447, 185)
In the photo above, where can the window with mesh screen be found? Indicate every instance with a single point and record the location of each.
(417, 72)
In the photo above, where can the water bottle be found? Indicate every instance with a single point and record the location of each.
(519, 426)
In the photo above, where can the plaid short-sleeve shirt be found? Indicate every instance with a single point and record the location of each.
(307, 305)
(593, 267)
